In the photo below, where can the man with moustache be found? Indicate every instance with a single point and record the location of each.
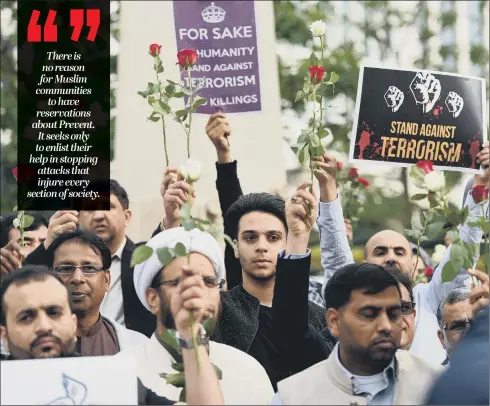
(82, 261)
(120, 302)
(37, 323)
(156, 285)
(364, 312)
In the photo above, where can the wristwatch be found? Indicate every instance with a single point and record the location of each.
(201, 339)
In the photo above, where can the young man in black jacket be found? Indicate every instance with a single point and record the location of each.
(260, 226)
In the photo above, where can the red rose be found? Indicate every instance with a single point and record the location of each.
(154, 49)
(340, 166)
(363, 181)
(15, 172)
(428, 271)
(426, 166)
(187, 57)
(353, 173)
(316, 74)
(479, 193)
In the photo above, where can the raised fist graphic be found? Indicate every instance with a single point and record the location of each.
(394, 98)
(454, 103)
(426, 90)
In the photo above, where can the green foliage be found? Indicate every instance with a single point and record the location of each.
(141, 254)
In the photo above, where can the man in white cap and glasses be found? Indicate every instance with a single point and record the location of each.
(244, 380)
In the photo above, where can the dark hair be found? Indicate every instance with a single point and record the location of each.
(261, 202)
(404, 279)
(23, 276)
(371, 278)
(117, 190)
(82, 237)
(7, 223)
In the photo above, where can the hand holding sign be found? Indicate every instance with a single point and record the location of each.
(426, 90)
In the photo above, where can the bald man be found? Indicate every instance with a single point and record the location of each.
(393, 251)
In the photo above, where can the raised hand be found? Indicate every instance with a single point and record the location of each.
(175, 197)
(188, 296)
(479, 294)
(10, 258)
(326, 173)
(218, 131)
(483, 158)
(170, 175)
(62, 221)
(454, 103)
(426, 90)
(301, 214)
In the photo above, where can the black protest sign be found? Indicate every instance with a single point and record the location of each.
(405, 116)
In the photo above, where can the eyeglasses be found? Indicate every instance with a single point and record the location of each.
(70, 269)
(407, 308)
(458, 325)
(209, 281)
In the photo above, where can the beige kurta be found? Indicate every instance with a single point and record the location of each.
(244, 379)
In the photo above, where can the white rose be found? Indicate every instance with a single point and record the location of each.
(434, 181)
(438, 253)
(318, 28)
(191, 170)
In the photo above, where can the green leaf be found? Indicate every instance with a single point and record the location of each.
(316, 151)
(315, 141)
(419, 196)
(323, 133)
(180, 250)
(28, 220)
(314, 61)
(154, 117)
(185, 211)
(333, 77)
(416, 223)
(458, 255)
(170, 89)
(417, 176)
(15, 208)
(482, 223)
(413, 234)
(181, 113)
(178, 95)
(177, 380)
(173, 83)
(164, 255)
(303, 156)
(189, 224)
(152, 88)
(178, 366)
(152, 99)
(299, 95)
(143, 94)
(435, 229)
(183, 396)
(483, 261)
(449, 272)
(141, 254)
(209, 325)
(219, 373)
(197, 103)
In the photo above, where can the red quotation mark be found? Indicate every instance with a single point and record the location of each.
(77, 22)
(50, 29)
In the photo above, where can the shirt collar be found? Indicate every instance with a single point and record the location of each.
(118, 253)
(389, 372)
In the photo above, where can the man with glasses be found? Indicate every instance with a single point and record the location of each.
(82, 260)
(157, 280)
(454, 316)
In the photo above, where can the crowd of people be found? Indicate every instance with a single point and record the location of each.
(368, 336)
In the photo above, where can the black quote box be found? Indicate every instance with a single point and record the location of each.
(74, 189)
(374, 118)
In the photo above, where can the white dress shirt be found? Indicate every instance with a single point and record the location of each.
(113, 306)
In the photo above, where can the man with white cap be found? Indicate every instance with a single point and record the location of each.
(155, 285)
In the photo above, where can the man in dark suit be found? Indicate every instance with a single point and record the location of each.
(121, 302)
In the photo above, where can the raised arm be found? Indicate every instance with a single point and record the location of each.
(334, 244)
(227, 185)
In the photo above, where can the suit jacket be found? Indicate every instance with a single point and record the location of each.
(136, 316)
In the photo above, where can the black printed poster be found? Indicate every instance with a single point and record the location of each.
(405, 116)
